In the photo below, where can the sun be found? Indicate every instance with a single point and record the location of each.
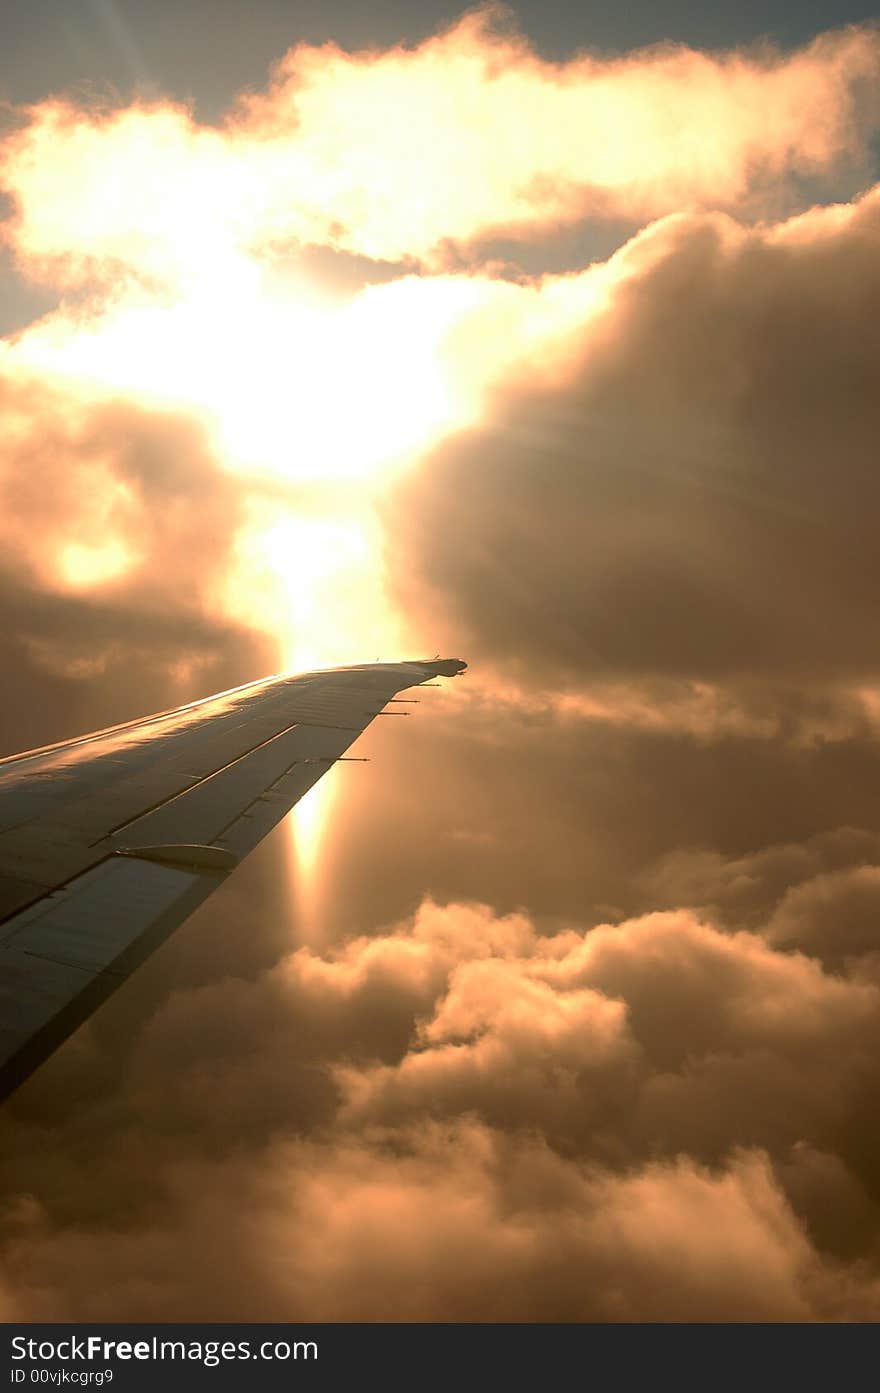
(313, 401)
(288, 380)
(310, 401)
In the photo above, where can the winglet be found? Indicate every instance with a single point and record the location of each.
(441, 667)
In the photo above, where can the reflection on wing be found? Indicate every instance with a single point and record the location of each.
(108, 842)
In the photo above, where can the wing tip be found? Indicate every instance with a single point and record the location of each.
(441, 667)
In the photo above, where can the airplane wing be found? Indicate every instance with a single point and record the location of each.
(108, 842)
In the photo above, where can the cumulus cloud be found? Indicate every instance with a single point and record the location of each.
(745, 891)
(609, 1043)
(833, 916)
(549, 1136)
(451, 1223)
(690, 502)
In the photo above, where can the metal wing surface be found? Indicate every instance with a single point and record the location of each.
(108, 842)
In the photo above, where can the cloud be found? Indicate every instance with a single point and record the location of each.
(116, 527)
(686, 509)
(818, 897)
(608, 1043)
(519, 1156)
(833, 916)
(103, 495)
(611, 1043)
(745, 891)
(494, 139)
(454, 1224)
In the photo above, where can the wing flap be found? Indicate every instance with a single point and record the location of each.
(201, 814)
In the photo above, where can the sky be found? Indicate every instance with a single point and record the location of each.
(547, 337)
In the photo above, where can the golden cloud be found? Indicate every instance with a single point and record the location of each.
(519, 1156)
(391, 153)
(449, 1224)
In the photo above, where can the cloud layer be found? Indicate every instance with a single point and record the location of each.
(609, 1125)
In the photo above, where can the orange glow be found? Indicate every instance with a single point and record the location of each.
(184, 240)
(308, 823)
(316, 583)
(290, 386)
(566, 1006)
(83, 567)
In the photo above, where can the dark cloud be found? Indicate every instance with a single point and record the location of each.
(459, 1222)
(744, 891)
(117, 527)
(694, 501)
(583, 819)
(833, 917)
